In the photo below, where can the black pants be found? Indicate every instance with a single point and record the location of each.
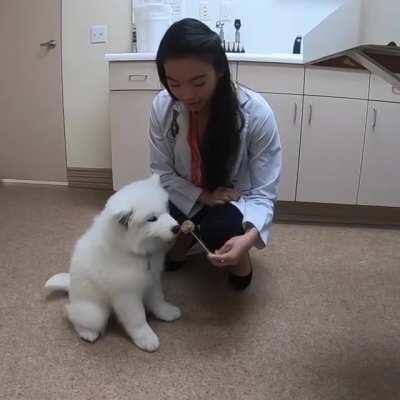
(215, 225)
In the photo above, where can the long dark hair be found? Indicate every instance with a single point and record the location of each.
(220, 143)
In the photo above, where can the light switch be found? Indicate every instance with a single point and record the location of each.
(98, 34)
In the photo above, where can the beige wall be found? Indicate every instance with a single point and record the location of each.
(85, 77)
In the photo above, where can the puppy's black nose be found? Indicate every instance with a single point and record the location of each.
(175, 229)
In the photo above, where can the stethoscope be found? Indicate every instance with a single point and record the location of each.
(174, 127)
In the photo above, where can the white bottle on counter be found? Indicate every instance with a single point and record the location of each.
(152, 19)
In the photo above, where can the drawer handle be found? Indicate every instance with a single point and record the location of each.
(137, 77)
(396, 90)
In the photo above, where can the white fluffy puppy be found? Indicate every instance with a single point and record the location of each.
(116, 265)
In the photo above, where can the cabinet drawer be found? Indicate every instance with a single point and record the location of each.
(134, 75)
(336, 82)
(266, 78)
(383, 91)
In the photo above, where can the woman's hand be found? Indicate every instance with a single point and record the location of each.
(234, 249)
(219, 196)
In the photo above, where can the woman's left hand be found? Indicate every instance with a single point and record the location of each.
(233, 250)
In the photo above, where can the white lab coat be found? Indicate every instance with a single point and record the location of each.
(256, 172)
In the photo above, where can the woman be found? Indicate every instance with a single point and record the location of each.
(216, 148)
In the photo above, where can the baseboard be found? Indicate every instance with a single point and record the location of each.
(31, 182)
(286, 211)
(337, 213)
(93, 178)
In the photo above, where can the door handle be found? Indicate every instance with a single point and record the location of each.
(375, 118)
(50, 44)
(295, 114)
(310, 115)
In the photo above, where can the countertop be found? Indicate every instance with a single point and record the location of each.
(250, 57)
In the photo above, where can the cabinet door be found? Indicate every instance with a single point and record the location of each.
(130, 115)
(288, 112)
(380, 174)
(331, 149)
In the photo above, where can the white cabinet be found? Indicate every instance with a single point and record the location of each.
(329, 156)
(331, 149)
(282, 87)
(233, 70)
(380, 174)
(288, 112)
(133, 86)
(130, 114)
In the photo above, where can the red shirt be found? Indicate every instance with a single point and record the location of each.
(194, 144)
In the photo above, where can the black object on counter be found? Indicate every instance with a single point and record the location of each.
(238, 24)
(297, 45)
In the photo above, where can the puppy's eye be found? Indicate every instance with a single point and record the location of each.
(152, 219)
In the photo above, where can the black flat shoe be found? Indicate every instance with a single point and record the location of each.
(171, 265)
(240, 282)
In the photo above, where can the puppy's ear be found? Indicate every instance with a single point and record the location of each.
(124, 217)
(155, 178)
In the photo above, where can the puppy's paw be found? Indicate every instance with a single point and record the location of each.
(146, 339)
(167, 312)
(88, 335)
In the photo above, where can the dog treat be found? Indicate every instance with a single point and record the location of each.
(188, 227)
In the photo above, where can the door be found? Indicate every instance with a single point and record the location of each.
(331, 149)
(380, 178)
(32, 141)
(288, 111)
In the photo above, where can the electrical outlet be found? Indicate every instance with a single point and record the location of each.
(98, 34)
(204, 10)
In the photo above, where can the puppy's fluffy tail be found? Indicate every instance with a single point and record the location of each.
(58, 282)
